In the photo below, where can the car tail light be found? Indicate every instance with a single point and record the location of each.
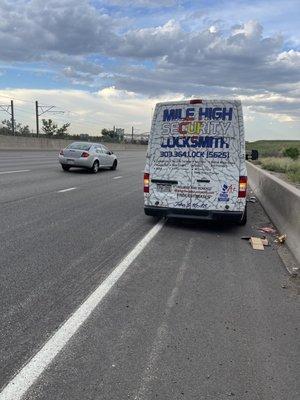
(61, 152)
(84, 154)
(242, 186)
(146, 182)
(195, 101)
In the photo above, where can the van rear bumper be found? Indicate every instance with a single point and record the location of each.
(212, 215)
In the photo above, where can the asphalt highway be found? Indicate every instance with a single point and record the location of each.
(195, 314)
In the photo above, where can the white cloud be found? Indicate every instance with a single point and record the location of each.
(67, 38)
(140, 3)
(31, 29)
(87, 112)
(90, 112)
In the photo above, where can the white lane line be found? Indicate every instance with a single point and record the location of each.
(14, 172)
(25, 378)
(117, 177)
(66, 190)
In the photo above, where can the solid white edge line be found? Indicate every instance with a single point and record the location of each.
(66, 190)
(117, 177)
(27, 376)
(14, 172)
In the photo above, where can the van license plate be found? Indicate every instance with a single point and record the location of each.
(162, 187)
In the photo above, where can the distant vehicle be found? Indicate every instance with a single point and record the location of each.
(195, 164)
(92, 156)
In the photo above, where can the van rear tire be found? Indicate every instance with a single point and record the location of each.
(243, 221)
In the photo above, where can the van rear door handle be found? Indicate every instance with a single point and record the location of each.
(164, 181)
(203, 180)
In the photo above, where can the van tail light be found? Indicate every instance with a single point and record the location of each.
(146, 182)
(195, 101)
(61, 152)
(84, 154)
(242, 186)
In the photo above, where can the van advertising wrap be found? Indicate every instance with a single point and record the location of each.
(201, 147)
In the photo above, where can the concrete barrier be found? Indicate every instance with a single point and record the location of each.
(31, 143)
(281, 202)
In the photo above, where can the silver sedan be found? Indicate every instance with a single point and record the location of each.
(92, 156)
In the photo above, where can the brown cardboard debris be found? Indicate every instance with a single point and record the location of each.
(263, 239)
(256, 243)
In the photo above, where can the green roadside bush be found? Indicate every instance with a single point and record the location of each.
(291, 152)
(272, 148)
(284, 165)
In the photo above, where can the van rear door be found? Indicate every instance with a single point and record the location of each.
(170, 176)
(216, 172)
(196, 155)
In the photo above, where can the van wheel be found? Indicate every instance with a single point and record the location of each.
(65, 167)
(114, 166)
(243, 221)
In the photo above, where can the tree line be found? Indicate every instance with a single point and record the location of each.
(51, 129)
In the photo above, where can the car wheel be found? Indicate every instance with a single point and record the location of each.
(95, 167)
(243, 221)
(65, 167)
(114, 166)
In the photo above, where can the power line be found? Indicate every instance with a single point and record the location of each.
(42, 109)
(90, 122)
(62, 119)
(54, 111)
(9, 97)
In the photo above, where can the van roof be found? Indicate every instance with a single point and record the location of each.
(217, 101)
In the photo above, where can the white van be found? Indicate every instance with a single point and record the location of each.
(196, 161)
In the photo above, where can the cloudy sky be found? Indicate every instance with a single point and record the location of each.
(107, 62)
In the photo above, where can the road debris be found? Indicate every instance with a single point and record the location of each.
(280, 239)
(284, 286)
(267, 229)
(251, 199)
(256, 243)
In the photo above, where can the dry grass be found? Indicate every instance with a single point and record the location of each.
(282, 164)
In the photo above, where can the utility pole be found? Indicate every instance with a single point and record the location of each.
(132, 134)
(9, 109)
(37, 118)
(40, 110)
(12, 116)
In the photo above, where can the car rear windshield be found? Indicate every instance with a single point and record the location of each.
(79, 146)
